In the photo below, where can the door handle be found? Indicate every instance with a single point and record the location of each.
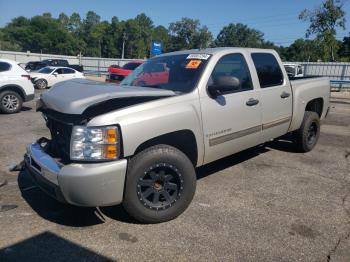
(285, 95)
(252, 102)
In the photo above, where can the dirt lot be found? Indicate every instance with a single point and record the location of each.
(265, 204)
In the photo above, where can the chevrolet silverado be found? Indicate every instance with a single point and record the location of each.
(139, 144)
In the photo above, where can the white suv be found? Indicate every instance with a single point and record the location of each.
(15, 87)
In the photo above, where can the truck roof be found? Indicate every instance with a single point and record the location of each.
(212, 51)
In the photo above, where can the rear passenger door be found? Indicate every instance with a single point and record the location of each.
(56, 76)
(276, 95)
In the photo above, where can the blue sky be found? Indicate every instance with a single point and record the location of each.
(277, 19)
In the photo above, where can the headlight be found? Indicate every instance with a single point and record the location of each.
(94, 143)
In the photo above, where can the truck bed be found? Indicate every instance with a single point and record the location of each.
(304, 89)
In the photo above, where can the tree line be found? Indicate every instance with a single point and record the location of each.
(89, 36)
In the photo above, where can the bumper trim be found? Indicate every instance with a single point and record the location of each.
(80, 184)
(44, 184)
(42, 163)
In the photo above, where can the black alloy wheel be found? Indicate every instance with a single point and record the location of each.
(160, 186)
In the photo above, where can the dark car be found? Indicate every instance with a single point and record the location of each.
(34, 65)
(37, 65)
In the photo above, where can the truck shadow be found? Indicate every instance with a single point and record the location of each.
(48, 246)
(73, 216)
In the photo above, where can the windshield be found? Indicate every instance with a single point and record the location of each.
(178, 73)
(45, 70)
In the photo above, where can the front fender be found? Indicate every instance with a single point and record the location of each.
(146, 121)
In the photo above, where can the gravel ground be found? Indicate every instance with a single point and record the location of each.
(265, 204)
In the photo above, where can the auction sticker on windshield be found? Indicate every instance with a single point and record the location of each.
(198, 56)
(193, 64)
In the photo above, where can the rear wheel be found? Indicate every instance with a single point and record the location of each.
(307, 136)
(10, 102)
(41, 84)
(160, 184)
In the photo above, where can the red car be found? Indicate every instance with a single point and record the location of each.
(156, 75)
(117, 74)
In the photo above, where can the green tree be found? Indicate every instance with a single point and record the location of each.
(5, 44)
(324, 21)
(303, 50)
(145, 27)
(40, 33)
(114, 40)
(239, 35)
(344, 51)
(64, 20)
(90, 34)
(75, 23)
(188, 34)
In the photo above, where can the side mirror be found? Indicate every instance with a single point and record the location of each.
(223, 85)
(55, 73)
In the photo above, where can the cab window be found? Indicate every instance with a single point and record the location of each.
(268, 69)
(232, 65)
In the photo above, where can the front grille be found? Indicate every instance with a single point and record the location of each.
(60, 138)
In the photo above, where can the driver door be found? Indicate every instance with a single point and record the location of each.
(56, 76)
(231, 121)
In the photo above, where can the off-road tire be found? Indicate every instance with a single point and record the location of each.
(306, 137)
(152, 159)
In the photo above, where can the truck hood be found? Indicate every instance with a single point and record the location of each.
(77, 95)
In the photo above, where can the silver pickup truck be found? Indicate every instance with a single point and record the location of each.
(139, 143)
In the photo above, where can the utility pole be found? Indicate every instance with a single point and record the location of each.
(124, 38)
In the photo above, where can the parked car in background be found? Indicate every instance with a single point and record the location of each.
(15, 87)
(37, 65)
(140, 145)
(117, 74)
(294, 70)
(48, 76)
(156, 74)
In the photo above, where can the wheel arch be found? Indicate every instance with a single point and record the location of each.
(315, 105)
(14, 88)
(184, 140)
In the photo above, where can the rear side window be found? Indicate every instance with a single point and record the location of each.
(68, 71)
(268, 69)
(59, 71)
(62, 62)
(4, 67)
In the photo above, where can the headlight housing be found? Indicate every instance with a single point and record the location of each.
(94, 143)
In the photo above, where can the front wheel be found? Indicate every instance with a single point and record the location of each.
(160, 184)
(10, 102)
(306, 137)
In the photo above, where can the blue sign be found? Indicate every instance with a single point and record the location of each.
(156, 48)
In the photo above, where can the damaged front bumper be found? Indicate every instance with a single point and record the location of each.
(88, 184)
